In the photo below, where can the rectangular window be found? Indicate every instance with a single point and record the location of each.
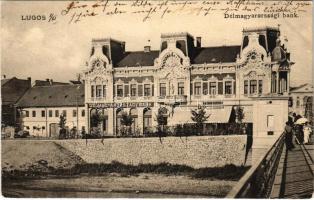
(197, 88)
(64, 113)
(228, 87)
(50, 113)
(98, 91)
(34, 113)
(162, 89)
(26, 113)
(104, 91)
(260, 86)
(181, 88)
(253, 86)
(246, 86)
(74, 113)
(212, 88)
(205, 88)
(120, 90)
(133, 90)
(83, 113)
(220, 87)
(56, 113)
(153, 89)
(140, 90)
(270, 121)
(43, 113)
(92, 90)
(126, 90)
(147, 90)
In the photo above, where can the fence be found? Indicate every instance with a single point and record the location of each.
(258, 181)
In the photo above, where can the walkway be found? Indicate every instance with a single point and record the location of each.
(294, 177)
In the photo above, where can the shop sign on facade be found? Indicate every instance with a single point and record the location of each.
(121, 105)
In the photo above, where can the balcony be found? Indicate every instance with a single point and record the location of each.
(173, 99)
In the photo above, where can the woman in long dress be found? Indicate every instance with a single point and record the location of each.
(289, 136)
(306, 131)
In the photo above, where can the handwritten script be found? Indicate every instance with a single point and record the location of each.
(78, 11)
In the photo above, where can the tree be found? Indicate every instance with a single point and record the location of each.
(95, 120)
(161, 119)
(126, 120)
(199, 117)
(239, 119)
(239, 114)
(62, 122)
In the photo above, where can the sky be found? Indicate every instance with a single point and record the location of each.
(59, 51)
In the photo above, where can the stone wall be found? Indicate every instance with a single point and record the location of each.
(197, 152)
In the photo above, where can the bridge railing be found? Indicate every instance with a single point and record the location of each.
(258, 181)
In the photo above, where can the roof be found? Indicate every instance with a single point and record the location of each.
(4, 81)
(202, 55)
(13, 89)
(221, 54)
(48, 82)
(53, 96)
(254, 29)
(138, 58)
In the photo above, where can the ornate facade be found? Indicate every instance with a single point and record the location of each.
(183, 75)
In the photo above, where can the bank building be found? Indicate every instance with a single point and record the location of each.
(182, 75)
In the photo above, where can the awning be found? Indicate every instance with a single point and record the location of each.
(183, 115)
(221, 115)
(248, 114)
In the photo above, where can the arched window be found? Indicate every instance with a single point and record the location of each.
(118, 120)
(147, 123)
(134, 127)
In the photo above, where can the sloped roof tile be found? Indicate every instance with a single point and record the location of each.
(53, 96)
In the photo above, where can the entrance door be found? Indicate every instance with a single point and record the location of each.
(53, 130)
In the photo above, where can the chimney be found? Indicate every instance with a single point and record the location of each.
(198, 42)
(146, 48)
(123, 45)
(29, 79)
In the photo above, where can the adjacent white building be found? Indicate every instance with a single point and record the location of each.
(42, 106)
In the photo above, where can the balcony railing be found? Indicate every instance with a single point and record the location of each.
(173, 99)
(133, 98)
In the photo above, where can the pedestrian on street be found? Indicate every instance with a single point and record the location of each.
(288, 136)
(306, 131)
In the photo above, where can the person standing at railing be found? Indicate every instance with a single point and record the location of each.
(289, 136)
(306, 131)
